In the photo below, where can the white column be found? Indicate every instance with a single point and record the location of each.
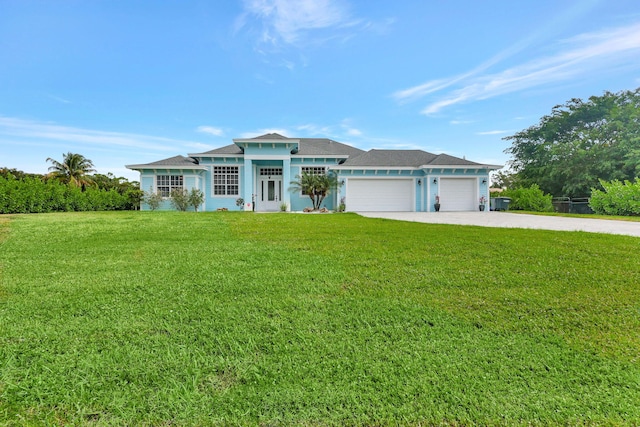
(286, 182)
(247, 185)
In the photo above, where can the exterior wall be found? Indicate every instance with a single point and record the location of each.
(426, 189)
(426, 181)
(191, 179)
(482, 188)
(415, 175)
(297, 199)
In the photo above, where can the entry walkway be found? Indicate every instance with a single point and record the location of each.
(512, 220)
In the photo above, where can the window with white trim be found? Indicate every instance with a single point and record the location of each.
(312, 170)
(270, 171)
(165, 184)
(226, 181)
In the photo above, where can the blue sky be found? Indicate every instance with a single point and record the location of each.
(134, 81)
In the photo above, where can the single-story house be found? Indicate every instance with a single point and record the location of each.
(255, 174)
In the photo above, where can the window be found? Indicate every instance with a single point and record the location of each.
(165, 184)
(225, 181)
(312, 170)
(270, 171)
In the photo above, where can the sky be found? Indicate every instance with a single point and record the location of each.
(135, 81)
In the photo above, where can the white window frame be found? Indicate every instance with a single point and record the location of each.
(224, 180)
(312, 170)
(173, 182)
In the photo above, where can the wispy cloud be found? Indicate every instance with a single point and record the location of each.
(576, 57)
(58, 99)
(291, 21)
(27, 131)
(210, 130)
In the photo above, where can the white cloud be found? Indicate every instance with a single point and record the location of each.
(28, 131)
(210, 130)
(286, 20)
(354, 132)
(301, 23)
(199, 146)
(577, 57)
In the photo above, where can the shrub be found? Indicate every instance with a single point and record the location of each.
(153, 200)
(529, 199)
(618, 198)
(196, 198)
(35, 195)
(180, 199)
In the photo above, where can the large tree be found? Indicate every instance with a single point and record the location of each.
(579, 143)
(74, 169)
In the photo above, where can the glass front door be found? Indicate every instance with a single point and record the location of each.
(269, 189)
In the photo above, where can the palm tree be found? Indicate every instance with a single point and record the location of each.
(316, 186)
(73, 170)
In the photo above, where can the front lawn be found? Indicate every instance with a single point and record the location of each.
(168, 318)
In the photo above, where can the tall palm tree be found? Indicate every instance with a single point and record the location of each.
(74, 169)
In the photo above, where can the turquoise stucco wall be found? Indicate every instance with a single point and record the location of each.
(278, 156)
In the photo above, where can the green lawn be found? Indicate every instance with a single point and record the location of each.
(167, 318)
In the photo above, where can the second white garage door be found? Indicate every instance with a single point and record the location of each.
(380, 195)
(458, 194)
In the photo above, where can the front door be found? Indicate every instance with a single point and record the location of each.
(269, 189)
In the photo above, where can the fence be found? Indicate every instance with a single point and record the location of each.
(577, 205)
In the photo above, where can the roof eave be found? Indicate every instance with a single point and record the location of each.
(478, 166)
(165, 167)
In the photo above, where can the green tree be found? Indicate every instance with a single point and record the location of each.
(581, 142)
(316, 186)
(196, 198)
(73, 170)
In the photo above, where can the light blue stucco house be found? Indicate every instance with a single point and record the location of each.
(259, 171)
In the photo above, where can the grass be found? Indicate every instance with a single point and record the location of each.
(584, 216)
(167, 318)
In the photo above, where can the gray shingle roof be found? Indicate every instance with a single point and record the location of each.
(447, 160)
(176, 161)
(320, 146)
(397, 158)
(227, 149)
(306, 147)
(271, 136)
(405, 158)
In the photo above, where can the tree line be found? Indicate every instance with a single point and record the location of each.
(70, 185)
(583, 148)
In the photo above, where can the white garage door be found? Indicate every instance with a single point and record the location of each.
(458, 194)
(379, 195)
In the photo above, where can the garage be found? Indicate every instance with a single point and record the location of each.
(458, 194)
(380, 195)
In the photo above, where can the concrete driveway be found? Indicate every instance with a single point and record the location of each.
(512, 220)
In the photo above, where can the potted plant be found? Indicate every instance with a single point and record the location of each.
(483, 203)
(437, 204)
